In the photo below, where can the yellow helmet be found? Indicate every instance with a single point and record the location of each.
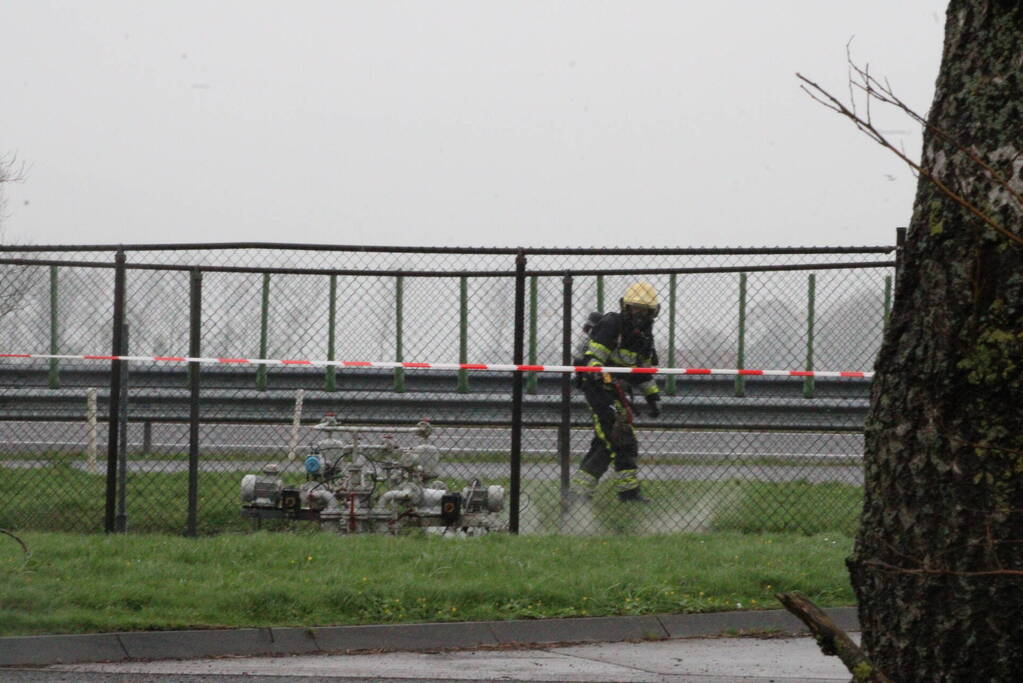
(641, 296)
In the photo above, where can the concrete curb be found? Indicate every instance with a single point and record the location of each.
(116, 647)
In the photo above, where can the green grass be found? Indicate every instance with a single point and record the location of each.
(779, 507)
(61, 498)
(700, 506)
(89, 583)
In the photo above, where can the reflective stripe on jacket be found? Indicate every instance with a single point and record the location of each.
(615, 343)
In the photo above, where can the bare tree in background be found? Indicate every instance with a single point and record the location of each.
(708, 348)
(9, 173)
(16, 282)
(776, 333)
(938, 561)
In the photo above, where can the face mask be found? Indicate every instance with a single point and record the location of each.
(640, 314)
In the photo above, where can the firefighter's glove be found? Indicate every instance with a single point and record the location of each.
(654, 410)
(578, 378)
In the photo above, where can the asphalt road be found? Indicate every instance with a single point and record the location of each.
(669, 455)
(219, 438)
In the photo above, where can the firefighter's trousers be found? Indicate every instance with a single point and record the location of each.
(614, 439)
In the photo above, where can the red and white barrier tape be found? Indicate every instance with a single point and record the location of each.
(454, 366)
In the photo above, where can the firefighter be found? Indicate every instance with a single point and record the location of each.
(618, 339)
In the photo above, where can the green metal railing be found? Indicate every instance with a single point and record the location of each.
(54, 330)
(330, 383)
(811, 294)
(671, 358)
(740, 355)
(670, 385)
(264, 325)
(463, 332)
(399, 314)
(531, 378)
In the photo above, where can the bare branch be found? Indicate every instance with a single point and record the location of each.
(10, 171)
(869, 120)
(849, 78)
(940, 572)
(872, 88)
(869, 85)
(830, 106)
(831, 639)
(987, 447)
(20, 542)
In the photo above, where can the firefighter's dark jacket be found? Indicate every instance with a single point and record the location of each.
(616, 341)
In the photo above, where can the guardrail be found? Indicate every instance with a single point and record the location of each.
(162, 395)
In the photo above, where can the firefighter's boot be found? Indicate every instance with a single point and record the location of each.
(628, 487)
(582, 487)
(632, 496)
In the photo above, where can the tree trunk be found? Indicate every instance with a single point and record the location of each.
(938, 561)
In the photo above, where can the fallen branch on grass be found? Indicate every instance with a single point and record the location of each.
(24, 547)
(20, 542)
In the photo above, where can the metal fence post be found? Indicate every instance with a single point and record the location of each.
(463, 332)
(331, 381)
(194, 336)
(740, 360)
(565, 428)
(113, 433)
(531, 378)
(399, 310)
(54, 331)
(811, 296)
(264, 323)
(516, 434)
(600, 293)
(670, 387)
(121, 520)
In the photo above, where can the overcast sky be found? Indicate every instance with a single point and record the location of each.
(470, 123)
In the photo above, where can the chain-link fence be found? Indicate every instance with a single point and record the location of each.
(163, 445)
